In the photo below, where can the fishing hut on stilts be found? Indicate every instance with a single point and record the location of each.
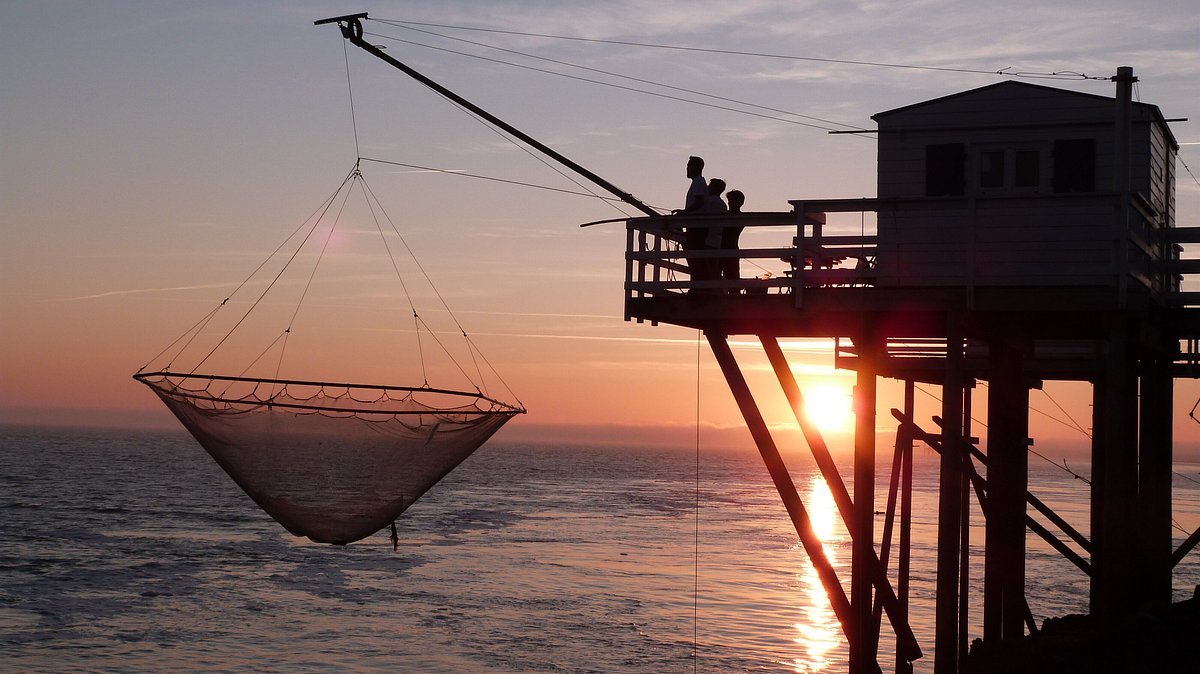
(1023, 234)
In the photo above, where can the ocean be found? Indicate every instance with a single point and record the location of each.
(131, 551)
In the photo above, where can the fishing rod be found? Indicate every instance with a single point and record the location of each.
(352, 30)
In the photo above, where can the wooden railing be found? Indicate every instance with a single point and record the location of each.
(800, 254)
(1184, 269)
(658, 261)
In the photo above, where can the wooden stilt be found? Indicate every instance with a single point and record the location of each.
(1154, 484)
(1007, 466)
(946, 655)
(1038, 505)
(889, 524)
(1114, 481)
(964, 564)
(904, 441)
(863, 559)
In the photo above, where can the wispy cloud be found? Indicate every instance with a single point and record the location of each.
(140, 291)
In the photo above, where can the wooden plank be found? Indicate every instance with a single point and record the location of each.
(1188, 298)
(1184, 266)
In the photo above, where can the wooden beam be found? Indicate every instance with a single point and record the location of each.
(1037, 504)
(1154, 481)
(1185, 547)
(783, 482)
(1183, 234)
(946, 655)
(906, 640)
(934, 442)
(1114, 479)
(863, 559)
(1007, 477)
(904, 440)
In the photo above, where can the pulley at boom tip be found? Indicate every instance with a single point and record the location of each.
(351, 24)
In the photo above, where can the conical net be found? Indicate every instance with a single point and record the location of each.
(333, 462)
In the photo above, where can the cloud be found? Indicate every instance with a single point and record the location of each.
(141, 291)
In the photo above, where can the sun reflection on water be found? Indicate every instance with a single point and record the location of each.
(819, 631)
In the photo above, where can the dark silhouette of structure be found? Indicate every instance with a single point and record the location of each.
(1022, 233)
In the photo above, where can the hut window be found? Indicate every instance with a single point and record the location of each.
(1075, 165)
(991, 168)
(1011, 169)
(1028, 168)
(945, 170)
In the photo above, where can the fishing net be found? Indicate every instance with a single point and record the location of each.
(333, 462)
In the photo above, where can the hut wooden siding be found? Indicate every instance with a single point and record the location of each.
(1027, 229)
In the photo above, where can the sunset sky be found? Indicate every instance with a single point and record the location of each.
(153, 153)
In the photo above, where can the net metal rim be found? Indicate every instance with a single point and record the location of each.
(154, 379)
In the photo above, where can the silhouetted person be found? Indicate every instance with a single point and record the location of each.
(694, 204)
(731, 266)
(713, 203)
(707, 238)
(697, 189)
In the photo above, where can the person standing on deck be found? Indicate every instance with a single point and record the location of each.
(708, 238)
(698, 188)
(694, 204)
(731, 266)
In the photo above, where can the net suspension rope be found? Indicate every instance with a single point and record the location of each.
(308, 229)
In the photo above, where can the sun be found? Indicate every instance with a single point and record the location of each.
(829, 407)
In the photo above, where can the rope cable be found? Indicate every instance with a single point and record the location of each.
(199, 326)
(350, 94)
(316, 265)
(632, 78)
(435, 290)
(466, 174)
(320, 257)
(475, 363)
(614, 85)
(396, 268)
(1006, 71)
(1063, 466)
(416, 261)
(493, 370)
(536, 155)
(433, 335)
(1079, 427)
(1188, 169)
(323, 210)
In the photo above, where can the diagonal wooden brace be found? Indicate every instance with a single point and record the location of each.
(787, 490)
(980, 484)
(841, 496)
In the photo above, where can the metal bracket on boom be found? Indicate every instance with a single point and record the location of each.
(351, 24)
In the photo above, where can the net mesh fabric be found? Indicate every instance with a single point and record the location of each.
(333, 462)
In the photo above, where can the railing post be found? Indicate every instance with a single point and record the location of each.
(630, 263)
(798, 258)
